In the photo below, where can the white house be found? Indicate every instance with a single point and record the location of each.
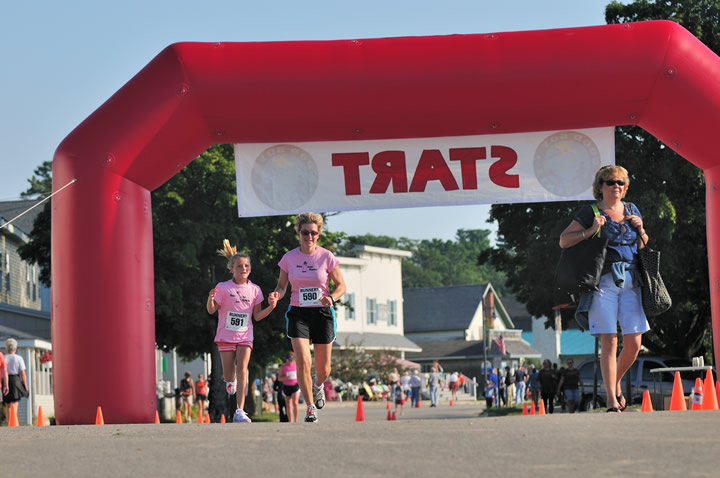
(373, 317)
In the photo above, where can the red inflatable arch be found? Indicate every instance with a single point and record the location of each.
(192, 95)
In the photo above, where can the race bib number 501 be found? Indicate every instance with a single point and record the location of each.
(236, 321)
(310, 296)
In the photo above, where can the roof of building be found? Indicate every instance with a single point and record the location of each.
(518, 311)
(376, 341)
(10, 209)
(430, 309)
(461, 349)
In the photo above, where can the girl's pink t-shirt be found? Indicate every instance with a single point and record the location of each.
(237, 302)
(291, 371)
(308, 275)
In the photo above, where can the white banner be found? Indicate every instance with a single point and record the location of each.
(275, 179)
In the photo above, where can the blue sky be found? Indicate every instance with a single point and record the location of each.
(59, 61)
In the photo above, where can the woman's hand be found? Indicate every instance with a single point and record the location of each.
(635, 221)
(598, 222)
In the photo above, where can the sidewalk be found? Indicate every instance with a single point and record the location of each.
(441, 441)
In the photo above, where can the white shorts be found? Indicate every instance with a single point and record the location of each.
(612, 304)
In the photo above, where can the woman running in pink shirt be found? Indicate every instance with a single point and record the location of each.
(311, 315)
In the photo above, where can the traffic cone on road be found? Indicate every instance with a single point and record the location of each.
(178, 416)
(710, 401)
(525, 410)
(40, 417)
(532, 409)
(541, 410)
(99, 420)
(360, 412)
(157, 418)
(697, 401)
(12, 417)
(419, 404)
(389, 416)
(677, 401)
(387, 405)
(647, 402)
(222, 418)
(451, 403)
(393, 417)
(207, 417)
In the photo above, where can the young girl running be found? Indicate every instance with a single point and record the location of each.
(238, 301)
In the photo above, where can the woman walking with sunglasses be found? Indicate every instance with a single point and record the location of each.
(311, 315)
(618, 298)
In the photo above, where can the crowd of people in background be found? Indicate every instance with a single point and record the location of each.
(514, 386)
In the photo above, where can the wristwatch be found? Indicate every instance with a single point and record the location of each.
(332, 299)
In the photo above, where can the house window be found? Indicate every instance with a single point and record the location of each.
(350, 307)
(372, 312)
(28, 284)
(392, 312)
(34, 283)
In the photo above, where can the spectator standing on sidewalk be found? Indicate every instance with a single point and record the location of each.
(532, 382)
(509, 385)
(548, 387)
(493, 377)
(434, 383)
(415, 387)
(454, 385)
(569, 383)
(520, 381)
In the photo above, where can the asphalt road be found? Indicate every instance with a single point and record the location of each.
(440, 441)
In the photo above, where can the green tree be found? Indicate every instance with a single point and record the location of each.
(37, 250)
(669, 192)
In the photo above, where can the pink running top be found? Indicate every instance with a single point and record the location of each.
(308, 275)
(236, 302)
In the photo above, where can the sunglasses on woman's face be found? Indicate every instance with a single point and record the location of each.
(308, 233)
(613, 182)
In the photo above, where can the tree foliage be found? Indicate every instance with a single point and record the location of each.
(669, 192)
(37, 250)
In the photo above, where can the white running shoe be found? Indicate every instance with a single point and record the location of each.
(318, 395)
(311, 414)
(231, 387)
(241, 417)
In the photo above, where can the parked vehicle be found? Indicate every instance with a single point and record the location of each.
(660, 385)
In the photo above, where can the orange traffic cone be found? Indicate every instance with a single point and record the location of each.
(525, 410)
(697, 401)
(451, 403)
(201, 419)
(393, 417)
(389, 415)
(387, 403)
(222, 418)
(41, 418)
(99, 420)
(647, 402)
(157, 418)
(677, 401)
(178, 416)
(360, 412)
(13, 418)
(710, 399)
(207, 417)
(419, 404)
(542, 407)
(532, 409)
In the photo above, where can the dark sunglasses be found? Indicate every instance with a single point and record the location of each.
(613, 182)
(309, 233)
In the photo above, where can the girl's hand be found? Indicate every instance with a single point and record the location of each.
(212, 294)
(273, 299)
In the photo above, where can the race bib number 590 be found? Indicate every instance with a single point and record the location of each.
(236, 321)
(310, 296)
